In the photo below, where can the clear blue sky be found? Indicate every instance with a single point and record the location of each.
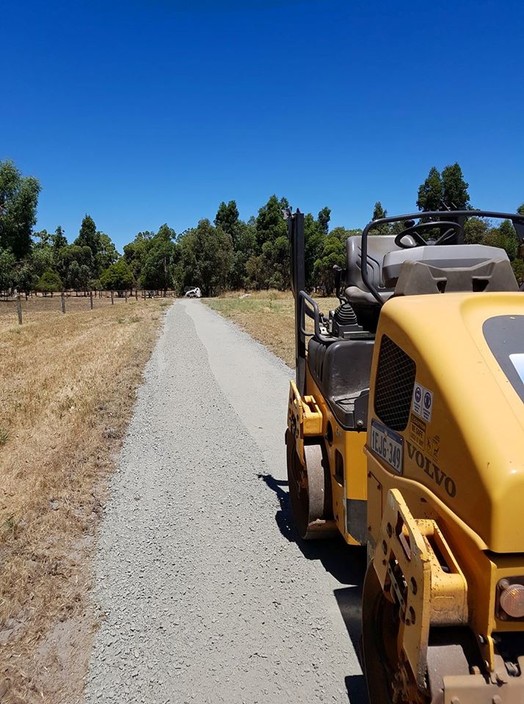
(141, 112)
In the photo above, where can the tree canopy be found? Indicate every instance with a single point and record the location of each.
(117, 277)
(446, 191)
(18, 202)
(226, 253)
(205, 259)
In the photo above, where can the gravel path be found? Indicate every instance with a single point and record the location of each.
(206, 595)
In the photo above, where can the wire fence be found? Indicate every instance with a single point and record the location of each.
(23, 306)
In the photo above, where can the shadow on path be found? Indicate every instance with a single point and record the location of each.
(347, 564)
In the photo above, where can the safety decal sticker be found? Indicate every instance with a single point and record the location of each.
(422, 403)
(417, 430)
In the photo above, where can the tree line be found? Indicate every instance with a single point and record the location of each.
(224, 254)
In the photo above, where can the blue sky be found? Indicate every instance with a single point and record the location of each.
(141, 112)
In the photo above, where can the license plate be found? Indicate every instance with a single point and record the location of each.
(387, 445)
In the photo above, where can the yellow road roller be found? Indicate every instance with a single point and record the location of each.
(405, 433)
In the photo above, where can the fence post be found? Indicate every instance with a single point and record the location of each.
(112, 298)
(19, 309)
(125, 295)
(91, 299)
(62, 301)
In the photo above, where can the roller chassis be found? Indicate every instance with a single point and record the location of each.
(436, 652)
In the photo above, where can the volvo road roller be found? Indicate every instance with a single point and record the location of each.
(406, 434)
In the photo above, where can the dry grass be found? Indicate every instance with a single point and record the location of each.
(68, 385)
(52, 304)
(268, 316)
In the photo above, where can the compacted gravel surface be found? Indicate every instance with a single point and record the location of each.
(204, 593)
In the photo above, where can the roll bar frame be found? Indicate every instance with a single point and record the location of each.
(307, 306)
(438, 217)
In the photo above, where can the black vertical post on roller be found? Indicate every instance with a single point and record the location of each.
(295, 225)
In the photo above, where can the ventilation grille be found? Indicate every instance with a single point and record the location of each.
(394, 386)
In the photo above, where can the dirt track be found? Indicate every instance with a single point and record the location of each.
(206, 595)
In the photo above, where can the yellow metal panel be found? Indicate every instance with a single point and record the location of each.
(356, 465)
(304, 417)
(352, 484)
(350, 445)
(411, 572)
(463, 466)
(470, 454)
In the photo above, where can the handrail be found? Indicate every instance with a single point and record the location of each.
(313, 312)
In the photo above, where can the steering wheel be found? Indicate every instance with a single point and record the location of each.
(453, 228)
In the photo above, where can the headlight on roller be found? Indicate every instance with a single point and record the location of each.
(511, 598)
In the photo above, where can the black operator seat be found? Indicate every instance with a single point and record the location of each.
(341, 371)
(341, 368)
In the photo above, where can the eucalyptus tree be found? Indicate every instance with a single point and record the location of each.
(18, 203)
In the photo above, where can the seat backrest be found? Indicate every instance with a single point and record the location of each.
(377, 247)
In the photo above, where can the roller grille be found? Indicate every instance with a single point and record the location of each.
(394, 386)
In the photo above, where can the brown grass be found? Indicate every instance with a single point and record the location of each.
(68, 385)
(268, 316)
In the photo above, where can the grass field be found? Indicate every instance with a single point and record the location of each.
(68, 385)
